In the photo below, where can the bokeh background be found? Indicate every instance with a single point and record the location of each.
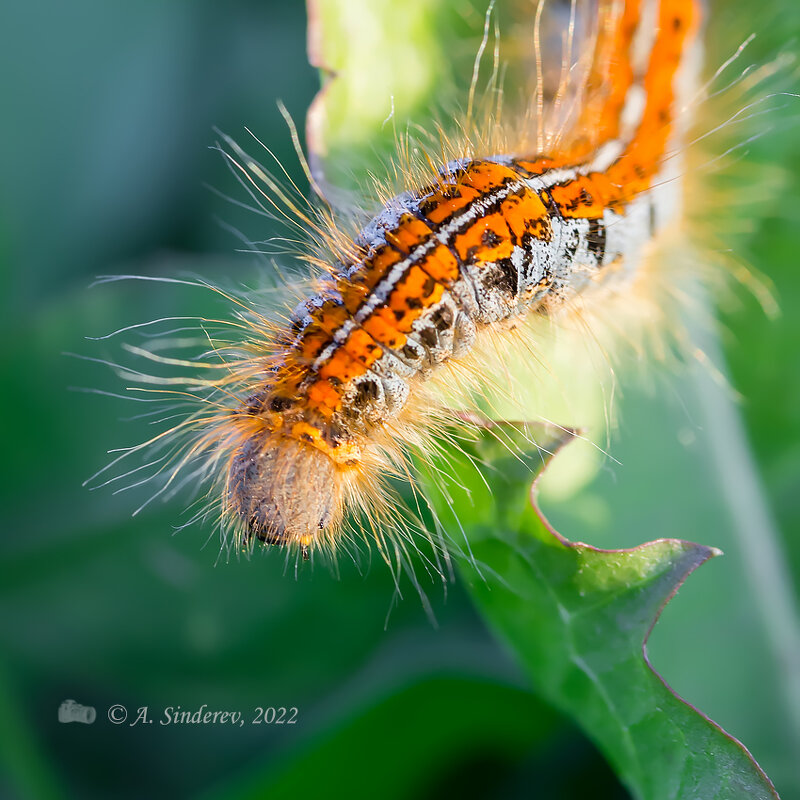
(108, 114)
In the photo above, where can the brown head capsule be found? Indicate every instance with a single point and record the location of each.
(284, 490)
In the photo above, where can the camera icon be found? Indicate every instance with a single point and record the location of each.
(70, 711)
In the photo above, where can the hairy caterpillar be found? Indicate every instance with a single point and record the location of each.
(311, 415)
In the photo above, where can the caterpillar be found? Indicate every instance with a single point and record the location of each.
(323, 406)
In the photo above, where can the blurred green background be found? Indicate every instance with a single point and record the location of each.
(108, 110)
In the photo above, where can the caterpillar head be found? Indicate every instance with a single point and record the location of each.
(284, 491)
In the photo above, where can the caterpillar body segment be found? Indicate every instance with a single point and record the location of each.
(491, 239)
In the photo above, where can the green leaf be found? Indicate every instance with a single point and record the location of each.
(384, 66)
(578, 619)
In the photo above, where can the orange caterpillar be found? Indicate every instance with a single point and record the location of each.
(328, 402)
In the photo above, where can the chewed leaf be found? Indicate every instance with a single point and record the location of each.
(578, 619)
(388, 69)
(374, 74)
